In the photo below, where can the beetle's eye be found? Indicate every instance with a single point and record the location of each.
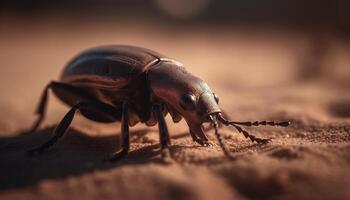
(188, 102)
(216, 98)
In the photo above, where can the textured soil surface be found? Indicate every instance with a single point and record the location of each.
(258, 75)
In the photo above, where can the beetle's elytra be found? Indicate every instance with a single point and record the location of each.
(131, 85)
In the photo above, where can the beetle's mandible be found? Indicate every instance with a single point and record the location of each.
(132, 84)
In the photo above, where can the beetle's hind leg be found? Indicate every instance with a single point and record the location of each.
(55, 86)
(68, 118)
(58, 132)
(41, 109)
(163, 133)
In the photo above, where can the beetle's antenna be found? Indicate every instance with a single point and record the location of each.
(256, 123)
(244, 132)
(220, 139)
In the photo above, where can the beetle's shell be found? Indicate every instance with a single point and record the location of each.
(110, 74)
(109, 66)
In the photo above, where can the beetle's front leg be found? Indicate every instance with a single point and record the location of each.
(198, 135)
(199, 140)
(163, 133)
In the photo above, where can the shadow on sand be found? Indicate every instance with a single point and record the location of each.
(75, 154)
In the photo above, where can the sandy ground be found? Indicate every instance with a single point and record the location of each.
(258, 74)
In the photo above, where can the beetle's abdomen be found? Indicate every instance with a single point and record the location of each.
(112, 75)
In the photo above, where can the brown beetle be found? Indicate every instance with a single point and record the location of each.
(131, 85)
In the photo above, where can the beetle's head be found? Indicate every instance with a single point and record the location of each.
(184, 93)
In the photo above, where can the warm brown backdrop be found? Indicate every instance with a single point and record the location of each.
(259, 72)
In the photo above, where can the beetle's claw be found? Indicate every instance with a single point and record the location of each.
(202, 142)
(208, 144)
(263, 141)
(199, 141)
(166, 156)
(118, 155)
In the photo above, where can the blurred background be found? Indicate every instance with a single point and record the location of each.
(236, 45)
(271, 59)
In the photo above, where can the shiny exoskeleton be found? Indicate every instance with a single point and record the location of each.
(132, 84)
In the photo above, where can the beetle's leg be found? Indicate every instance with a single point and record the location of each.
(195, 138)
(58, 132)
(41, 108)
(67, 119)
(197, 134)
(125, 145)
(174, 115)
(163, 133)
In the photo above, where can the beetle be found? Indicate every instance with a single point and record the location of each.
(131, 85)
